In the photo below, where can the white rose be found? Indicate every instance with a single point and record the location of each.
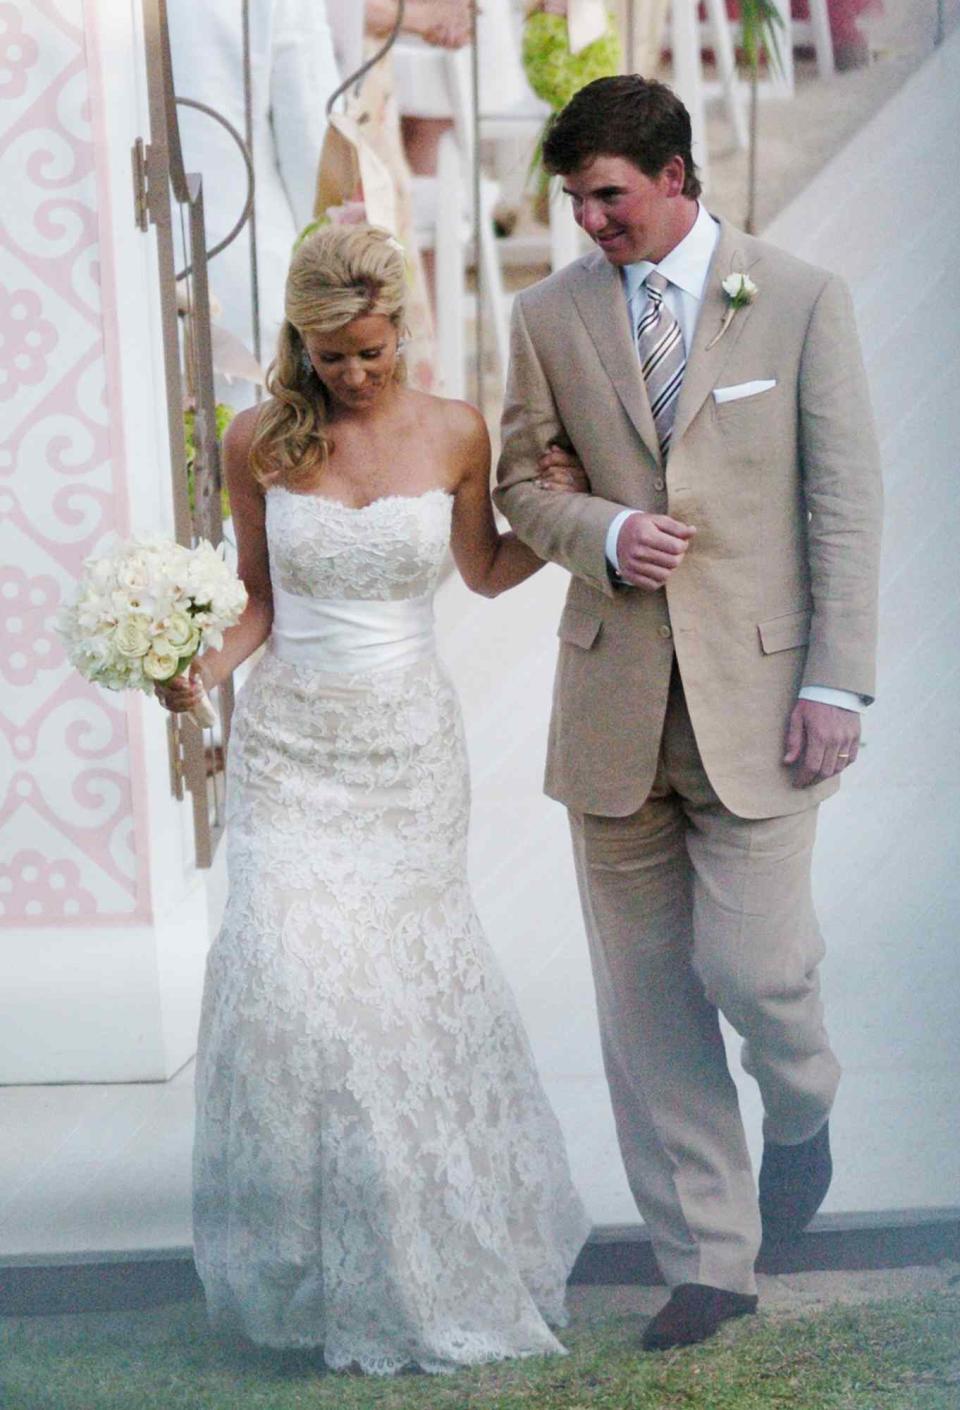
(181, 632)
(161, 661)
(739, 288)
(132, 637)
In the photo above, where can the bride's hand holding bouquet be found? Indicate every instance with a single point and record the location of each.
(187, 693)
(143, 612)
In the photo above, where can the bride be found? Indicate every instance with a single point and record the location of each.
(377, 1171)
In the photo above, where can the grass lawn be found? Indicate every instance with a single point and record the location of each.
(902, 1354)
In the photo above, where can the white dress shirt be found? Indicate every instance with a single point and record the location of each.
(685, 268)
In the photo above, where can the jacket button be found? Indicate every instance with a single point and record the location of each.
(664, 631)
(659, 483)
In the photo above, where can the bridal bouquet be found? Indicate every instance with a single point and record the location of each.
(145, 609)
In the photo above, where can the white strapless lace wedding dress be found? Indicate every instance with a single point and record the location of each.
(377, 1170)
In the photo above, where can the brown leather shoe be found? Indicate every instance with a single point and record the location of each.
(694, 1313)
(793, 1182)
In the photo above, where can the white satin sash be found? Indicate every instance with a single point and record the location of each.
(344, 635)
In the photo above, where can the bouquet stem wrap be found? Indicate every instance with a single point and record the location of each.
(203, 715)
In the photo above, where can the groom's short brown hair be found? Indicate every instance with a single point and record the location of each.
(627, 116)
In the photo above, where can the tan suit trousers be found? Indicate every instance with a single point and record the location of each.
(690, 909)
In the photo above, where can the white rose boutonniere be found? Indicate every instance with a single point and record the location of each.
(740, 291)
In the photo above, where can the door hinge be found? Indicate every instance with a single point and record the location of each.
(139, 153)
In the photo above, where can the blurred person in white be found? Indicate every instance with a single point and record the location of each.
(422, 78)
(422, 85)
(294, 70)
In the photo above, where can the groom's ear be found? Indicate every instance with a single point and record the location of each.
(673, 176)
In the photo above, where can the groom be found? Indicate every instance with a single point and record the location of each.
(717, 645)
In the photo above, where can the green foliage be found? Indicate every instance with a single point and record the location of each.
(759, 22)
(555, 74)
(309, 229)
(552, 71)
(225, 415)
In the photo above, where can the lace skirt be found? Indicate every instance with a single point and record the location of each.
(377, 1170)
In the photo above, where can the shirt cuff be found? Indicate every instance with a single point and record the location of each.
(827, 695)
(613, 533)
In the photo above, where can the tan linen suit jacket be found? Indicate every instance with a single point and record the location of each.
(779, 587)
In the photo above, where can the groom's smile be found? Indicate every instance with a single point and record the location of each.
(629, 215)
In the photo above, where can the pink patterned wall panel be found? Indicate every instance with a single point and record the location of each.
(68, 825)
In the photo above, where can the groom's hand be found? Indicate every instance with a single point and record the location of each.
(822, 740)
(560, 469)
(650, 547)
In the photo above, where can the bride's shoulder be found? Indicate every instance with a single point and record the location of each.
(467, 444)
(456, 422)
(453, 435)
(238, 443)
(240, 433)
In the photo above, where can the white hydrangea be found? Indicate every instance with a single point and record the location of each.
(145, 608)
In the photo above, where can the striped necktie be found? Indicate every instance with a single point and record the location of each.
(662, 357)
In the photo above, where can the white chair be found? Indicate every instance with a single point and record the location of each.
(513, 133)
(817, 30)
(449, 237)
(687, 40)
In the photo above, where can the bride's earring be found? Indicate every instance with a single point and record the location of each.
(306, 366)
(400, 366)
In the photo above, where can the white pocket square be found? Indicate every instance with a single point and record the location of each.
(742, 389)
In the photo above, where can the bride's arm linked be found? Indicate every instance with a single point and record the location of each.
(491, 562)
(253, 566)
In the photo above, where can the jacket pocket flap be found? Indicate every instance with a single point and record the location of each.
(779, 633)
(578, 627)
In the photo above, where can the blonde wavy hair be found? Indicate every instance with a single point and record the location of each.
(341, 273)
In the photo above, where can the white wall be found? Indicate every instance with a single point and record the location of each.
(885, 215)
(103, 918)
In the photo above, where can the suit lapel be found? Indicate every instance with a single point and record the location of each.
(704, 364)
(599, 298)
